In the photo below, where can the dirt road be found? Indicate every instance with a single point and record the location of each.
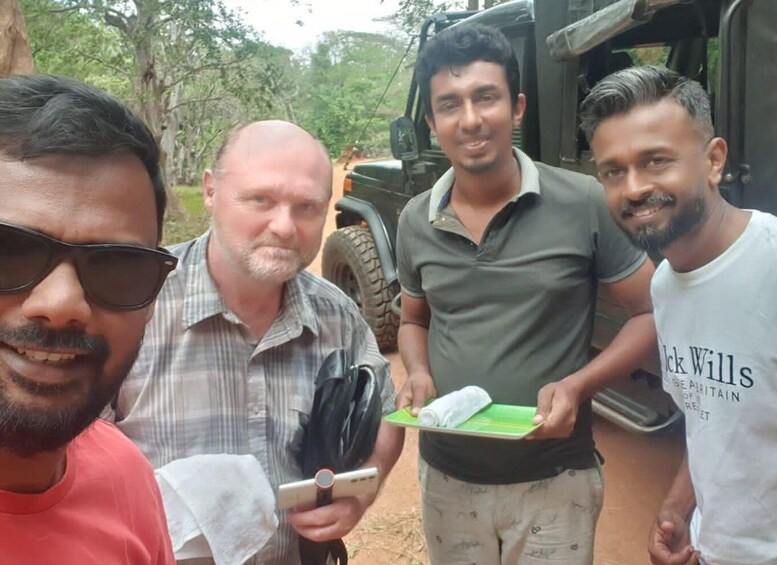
(638, 471)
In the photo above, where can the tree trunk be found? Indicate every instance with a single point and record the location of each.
(472, 4)
(151, 94)
(487, 4)
(168, 106)
(170, 133)
(15, 54)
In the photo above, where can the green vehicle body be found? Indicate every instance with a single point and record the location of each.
(563, 48)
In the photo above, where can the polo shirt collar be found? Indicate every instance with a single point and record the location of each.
(441, 191)
(202, 299)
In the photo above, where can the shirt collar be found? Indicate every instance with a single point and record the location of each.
(201, 297)
(441, 191)
(296, 313)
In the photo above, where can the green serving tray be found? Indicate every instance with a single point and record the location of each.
(501, 421)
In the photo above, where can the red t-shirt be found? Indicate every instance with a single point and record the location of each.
(106, 510)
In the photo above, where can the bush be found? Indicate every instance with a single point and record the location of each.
(193, 224)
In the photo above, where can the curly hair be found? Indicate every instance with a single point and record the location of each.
(461, 45)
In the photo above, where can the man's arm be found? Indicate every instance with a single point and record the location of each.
(669, 540)
(414, 349)
(339, 518)
(557, 403)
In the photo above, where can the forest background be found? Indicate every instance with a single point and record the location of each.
(194, 68)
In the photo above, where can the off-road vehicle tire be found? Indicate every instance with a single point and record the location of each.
(351, 262)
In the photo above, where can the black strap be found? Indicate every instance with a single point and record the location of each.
(318, 553)
(340, 434)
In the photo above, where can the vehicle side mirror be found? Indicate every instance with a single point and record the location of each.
(404, 145)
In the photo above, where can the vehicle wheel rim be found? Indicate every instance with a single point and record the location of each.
(346, 280)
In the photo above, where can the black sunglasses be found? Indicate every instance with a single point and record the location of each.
(114, 276)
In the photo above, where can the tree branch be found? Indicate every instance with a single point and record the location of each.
(114, 68)
(195, 101)
(205, 67)
(62, 10)
(117, 20)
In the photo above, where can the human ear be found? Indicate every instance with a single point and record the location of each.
(208, 189)
(430, 122)
(717, 151)
(518, 110)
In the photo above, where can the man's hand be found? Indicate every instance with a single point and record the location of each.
(669, 541)
(418, 388)
(332, 521)
(557, 405)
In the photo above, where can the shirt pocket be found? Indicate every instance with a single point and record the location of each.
(297, 420)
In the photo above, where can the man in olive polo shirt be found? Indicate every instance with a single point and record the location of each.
(499, 265)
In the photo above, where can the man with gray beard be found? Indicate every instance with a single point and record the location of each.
(81, 207)
(241, 331)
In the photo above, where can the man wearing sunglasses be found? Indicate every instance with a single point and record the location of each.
(241, 331)
(81, 205)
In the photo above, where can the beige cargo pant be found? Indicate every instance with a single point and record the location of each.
(551, 521)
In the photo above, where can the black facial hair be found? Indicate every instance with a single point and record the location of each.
(26, 431)
(652, 239)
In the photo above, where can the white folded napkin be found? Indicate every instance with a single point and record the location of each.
(219, 506)
(454, 408)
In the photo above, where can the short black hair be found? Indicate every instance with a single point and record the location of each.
(624, 90)
(459, 46)
(42, 115)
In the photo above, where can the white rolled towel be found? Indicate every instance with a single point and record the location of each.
(454, 408)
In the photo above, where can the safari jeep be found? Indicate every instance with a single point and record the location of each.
(563, 48)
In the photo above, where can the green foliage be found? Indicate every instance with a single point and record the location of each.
(413, 13)
(650, 55)
(68, 42)
(262, 88)
(191, 198)
(193, 224)
(346, 77)
(192, 70)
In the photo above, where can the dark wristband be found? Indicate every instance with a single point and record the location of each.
(325, 480)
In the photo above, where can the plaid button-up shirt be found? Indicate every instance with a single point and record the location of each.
(202, 384)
